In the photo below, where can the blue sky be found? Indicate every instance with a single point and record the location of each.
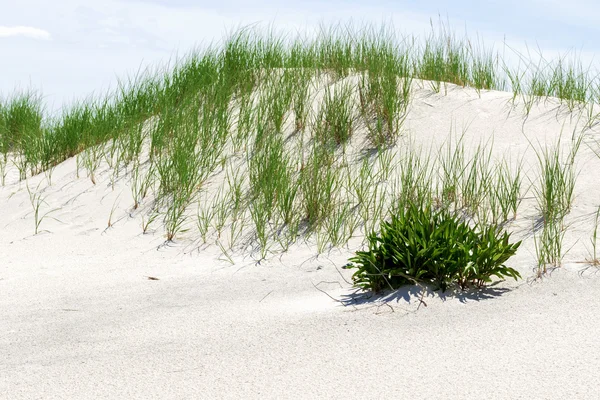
(71, 48)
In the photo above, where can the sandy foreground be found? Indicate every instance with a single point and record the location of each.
(90, 312)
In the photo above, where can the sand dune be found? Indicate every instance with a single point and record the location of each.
(82, 316)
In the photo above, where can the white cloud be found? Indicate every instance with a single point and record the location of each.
(26, 31)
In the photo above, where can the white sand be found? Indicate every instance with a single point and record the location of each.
(79, 317)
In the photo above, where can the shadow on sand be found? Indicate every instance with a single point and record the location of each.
(420, 295)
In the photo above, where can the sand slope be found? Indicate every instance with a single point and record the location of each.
(79, 317)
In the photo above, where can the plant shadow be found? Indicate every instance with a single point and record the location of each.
(413, 294)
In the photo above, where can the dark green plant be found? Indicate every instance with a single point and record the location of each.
(423, 245)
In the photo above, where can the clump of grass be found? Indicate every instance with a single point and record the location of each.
(505, 195)
(111, 215)
(549, 245)
(564, 78)
(447, 59)
(554, 195)
(515, 77)
(443, 61)
(204, 217)
(273, 185)
(571, 83)
(484, 68)
(148, 220)
(476, 180)
(141, 182)
(476, 187)
(416, 173)
(452, 170)
(341, 224)
(557, 181)
(301, 90)
(385, 89)
(463, 182)
(181, 171)
(245, 121)
(318, 182)
(333, 51)
(361, 183)
(92, 156)
(276, 99)
(37, 200)
(22, 115)
(335, 121)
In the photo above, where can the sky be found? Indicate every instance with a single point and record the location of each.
(70, 49)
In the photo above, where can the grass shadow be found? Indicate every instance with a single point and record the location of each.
(413, 294)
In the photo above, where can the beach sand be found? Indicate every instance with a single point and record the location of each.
(88, 311)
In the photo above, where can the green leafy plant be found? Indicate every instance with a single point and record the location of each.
(423, 245)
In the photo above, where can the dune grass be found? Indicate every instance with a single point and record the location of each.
(554, 195)
(277, 115)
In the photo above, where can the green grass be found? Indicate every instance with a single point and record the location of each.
(506, 192)
(335, 121)
(23, 133)
(385, 88)
(274, 117)
(554, 194)
(565, 78)
(38, 202)
(445, 58)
